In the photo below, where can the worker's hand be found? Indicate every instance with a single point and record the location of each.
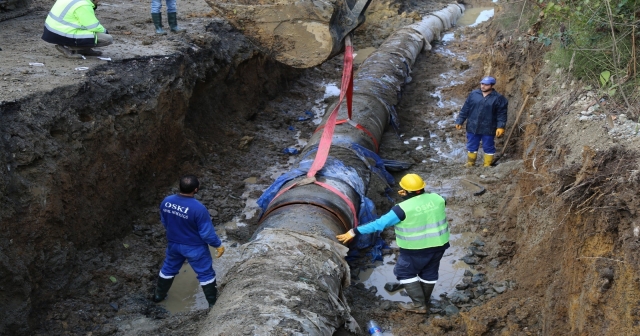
(458, 127)
(499, 132)
(220, 251)
(345, 238)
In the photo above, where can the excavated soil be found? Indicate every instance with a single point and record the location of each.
(88, 154)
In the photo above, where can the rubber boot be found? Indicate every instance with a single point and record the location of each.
(157, 22)
(416, 294)
(210, 293)
(427, 288)
(471, 159)
(161, 289)
(173, 22)
(488, 158)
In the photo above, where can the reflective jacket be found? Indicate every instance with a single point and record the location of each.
(72, 23)
(484, 114)
(425, 224)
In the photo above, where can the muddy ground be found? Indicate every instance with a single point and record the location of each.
(89, 153)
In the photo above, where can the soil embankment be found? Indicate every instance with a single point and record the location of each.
(82, 162)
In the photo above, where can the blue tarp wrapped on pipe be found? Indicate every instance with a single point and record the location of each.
(336, 169)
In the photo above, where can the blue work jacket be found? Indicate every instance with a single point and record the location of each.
(484, 114)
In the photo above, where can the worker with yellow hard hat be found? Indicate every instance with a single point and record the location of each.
(422, 233)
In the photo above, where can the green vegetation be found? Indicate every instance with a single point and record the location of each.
(595, 39)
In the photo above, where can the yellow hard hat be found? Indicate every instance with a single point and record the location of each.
(412, 182)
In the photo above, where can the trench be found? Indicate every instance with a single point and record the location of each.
(179, 102)
(83, 178)
(59, 251)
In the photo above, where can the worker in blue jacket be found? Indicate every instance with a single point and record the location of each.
(485, 111)
(422, 233)
(189, 234)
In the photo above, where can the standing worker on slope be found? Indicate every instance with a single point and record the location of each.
(486, 113)
(422, 233)
(189, 234)
(172, 16)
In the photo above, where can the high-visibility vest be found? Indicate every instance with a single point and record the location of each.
(62, 21)
(425, 223)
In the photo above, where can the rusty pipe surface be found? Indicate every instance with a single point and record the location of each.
(290, 277)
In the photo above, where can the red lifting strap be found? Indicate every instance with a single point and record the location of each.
(347, 71)
(356, 125)
(346, 89)
(330, 125)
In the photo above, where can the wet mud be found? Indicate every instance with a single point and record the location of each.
(548, 249)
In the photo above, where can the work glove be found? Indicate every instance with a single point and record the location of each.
(220, 251)
(458, 127)
(345, 238)
(499, 132)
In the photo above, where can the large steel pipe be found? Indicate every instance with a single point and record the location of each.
(290, 277)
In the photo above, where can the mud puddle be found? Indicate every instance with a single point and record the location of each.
(362, 54)
(185, 293)
(475, 16)
(450, 273)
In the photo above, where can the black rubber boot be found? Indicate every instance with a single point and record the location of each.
(416, 294)
(157, 21)
(427, 289)
(211, 293)
(161, 289)
(173, 22)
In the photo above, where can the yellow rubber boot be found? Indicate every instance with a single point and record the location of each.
(471, 159)
(488, 158)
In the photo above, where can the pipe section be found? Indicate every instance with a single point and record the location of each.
(291, 275)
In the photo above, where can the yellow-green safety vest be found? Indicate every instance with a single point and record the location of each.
(425, 223)
(62, 21)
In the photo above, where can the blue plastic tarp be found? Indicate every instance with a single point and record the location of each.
(336, 169)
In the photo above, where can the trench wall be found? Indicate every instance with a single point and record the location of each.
(575, 248)
(564, 232)
(78, 163)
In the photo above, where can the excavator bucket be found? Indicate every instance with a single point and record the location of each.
(300, 33)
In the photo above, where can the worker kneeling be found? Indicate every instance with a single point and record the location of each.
(422, 233)
(73, 27)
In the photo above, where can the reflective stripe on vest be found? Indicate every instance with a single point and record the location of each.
(422, 228)
(426, 235)
(425, 224)
(58, 25)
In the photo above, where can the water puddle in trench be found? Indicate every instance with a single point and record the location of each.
(450, 273)
(185, 293)
(362, 54)
(475, 16)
